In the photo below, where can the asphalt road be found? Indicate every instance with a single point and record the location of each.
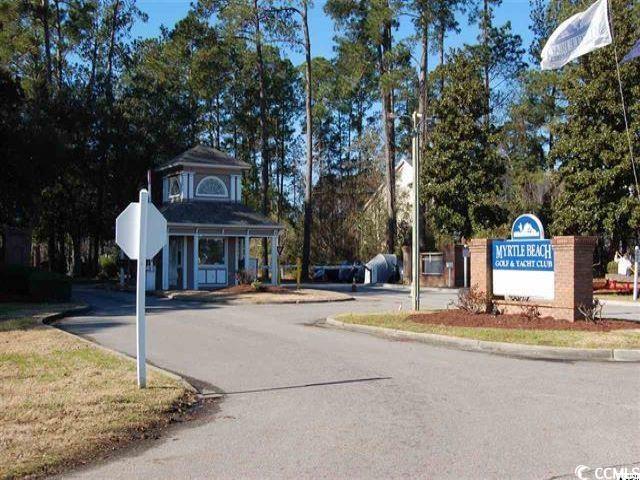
(305, 401)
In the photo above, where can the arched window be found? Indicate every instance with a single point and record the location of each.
(211, 187)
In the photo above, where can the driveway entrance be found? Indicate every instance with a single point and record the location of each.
(304, 401)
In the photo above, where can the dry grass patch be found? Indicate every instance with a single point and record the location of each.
(557, 338)
(64, 402)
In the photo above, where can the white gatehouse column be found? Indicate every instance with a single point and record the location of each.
(274, 260)
(184, 262)
(165, 265)
(196, 261)
(236, 259)
(247, 243)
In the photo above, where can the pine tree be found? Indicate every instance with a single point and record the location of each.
(462, 175)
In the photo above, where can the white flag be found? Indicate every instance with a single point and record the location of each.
(633, 53)
(579, 34)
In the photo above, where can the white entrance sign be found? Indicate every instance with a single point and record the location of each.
(523, 266)
(141, 231)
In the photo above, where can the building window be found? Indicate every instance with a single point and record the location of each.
(211, 251)
(212, 187)
(174, 186)
(432, 264)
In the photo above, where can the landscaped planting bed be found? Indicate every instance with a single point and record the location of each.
(461, 318)
(608, 334)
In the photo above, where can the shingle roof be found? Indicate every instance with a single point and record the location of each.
(206, 156)
(215, 213)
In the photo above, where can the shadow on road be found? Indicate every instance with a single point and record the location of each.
(307, 385)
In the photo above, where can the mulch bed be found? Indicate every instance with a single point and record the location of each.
(460, 318)
(239, 289)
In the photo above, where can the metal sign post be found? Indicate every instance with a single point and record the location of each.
(141, 231)
(415, 250)
(141, 283)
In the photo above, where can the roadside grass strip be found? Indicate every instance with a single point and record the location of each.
(615, 339)
(65, 402)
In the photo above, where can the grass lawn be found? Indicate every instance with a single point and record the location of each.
(64, 401)
(558, 338)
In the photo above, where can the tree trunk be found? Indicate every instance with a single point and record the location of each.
(77, 255)
(308, 205)
(111, 51)
(485, 41)
(389, 144)
(60, 45)
(441, 51)
(264, 141)
(423, 101)
(423, 109)
(51, 250)
(47, 41)
(94, 64)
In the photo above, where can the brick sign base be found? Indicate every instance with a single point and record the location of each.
(573, 274)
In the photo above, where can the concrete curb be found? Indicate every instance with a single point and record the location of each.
(407, 288)
(620, 303)
(537, 352)
(48, 320)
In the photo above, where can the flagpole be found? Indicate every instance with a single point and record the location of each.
(624, 107)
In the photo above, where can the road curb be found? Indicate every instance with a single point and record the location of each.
(619, 303)
(48, 320)
(536, 352)
(71, 312)
(241, 302)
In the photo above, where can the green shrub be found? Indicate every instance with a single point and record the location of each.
(108, 266)
(46, 286)
(14, 279)
(258, 286)
(36, 285)
(612, 267)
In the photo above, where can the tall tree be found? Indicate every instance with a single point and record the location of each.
(253, 21)
(371, 24)
(462, 173)
(308, 179)
(302, 10)
(595, 176)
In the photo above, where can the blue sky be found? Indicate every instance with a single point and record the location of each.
(168, 12)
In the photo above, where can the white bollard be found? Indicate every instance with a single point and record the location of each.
(466, 269)
(141, 290)
(636, 251)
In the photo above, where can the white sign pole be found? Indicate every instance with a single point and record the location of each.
(141, 231)
(141, 289)
(466, 267)
(636, 252)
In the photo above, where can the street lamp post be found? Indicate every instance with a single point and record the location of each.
(415, 249)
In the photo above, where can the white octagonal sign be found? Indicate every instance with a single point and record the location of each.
(128, 230)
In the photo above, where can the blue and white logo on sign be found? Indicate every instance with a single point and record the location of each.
(527, 227)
